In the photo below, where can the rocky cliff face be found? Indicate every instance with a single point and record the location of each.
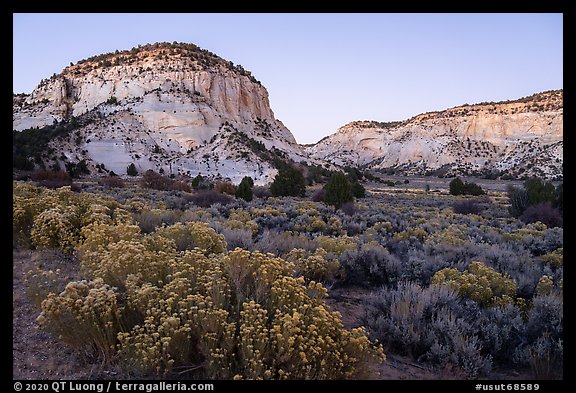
(171, 107)
(179, 109)
(517, 138)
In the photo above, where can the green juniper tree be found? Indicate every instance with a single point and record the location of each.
(338, 190)
(131, 170)
(288, 182)
(244, 189)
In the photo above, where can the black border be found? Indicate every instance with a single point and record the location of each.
(408, 7)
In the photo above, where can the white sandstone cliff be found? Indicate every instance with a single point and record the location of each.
(523, 136)
(161, 106)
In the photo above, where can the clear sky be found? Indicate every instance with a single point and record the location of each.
(325, 70)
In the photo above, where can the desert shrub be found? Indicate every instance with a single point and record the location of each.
(535, 237)
(317, 266)
(382, 226)
(453, 235)
(288, 182)
(150, 219)
(479, 283)
(419, 265)
(369, 266)
(241, 316)
(458, 187)
(318, 195)
(112, 181)
(241, 238)
(113, 261)
(554, 258)
(97, 213)
(280, 243)
(352, 226)
(552, 239)
(546, 316)
(334, 227)
(338, 190)
(122, 216)
(267, 211)
(517, 262)
(545, 285)
(416, 233)
(348, 208)
(191, 235)
(426, 324)
(57, 227)
(178, 185)
(286, 293)
(501, 331)
(545, 358)
(543, 212)
(336, 245)
(467, 206)
(241, 219)
(274, 222)
(156, 181)
(179, 326)
(42, 174)
(484, 234)
(225, 188)
(207, 198)
(455, 344)
(261, 192)
(244, 190)
(116, 261)
(68, 212)
(543, 348)
(151, 179)
(197, 214)
(86, 315)
(40, 283)
(23, 213)
(317, 225)
(401, 248)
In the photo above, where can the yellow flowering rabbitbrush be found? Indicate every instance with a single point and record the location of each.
(480, 283)
(316, 266)
(39, 283)
(193, 234)
(57, 227)
(545, 285)
(244, 316)
(336, 245)
(86, 315)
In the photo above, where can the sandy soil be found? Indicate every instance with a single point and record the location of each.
(36, 355)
